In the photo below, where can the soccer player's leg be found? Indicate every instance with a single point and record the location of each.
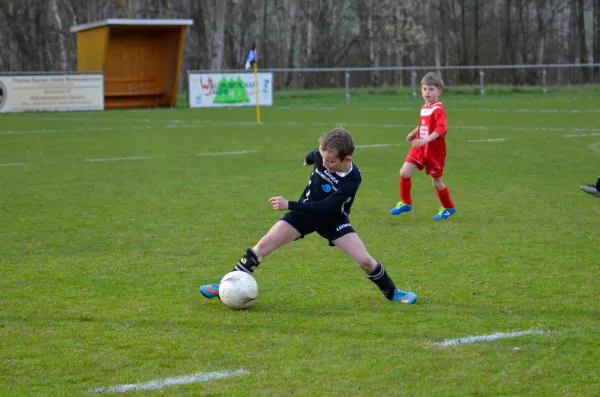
(281, 233)
(592, 189)
(448, 208)
(353, 246)
(405, 183)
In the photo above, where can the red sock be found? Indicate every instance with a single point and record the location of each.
(405, 185)
(444, 196)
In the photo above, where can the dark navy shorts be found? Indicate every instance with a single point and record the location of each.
(328, 228)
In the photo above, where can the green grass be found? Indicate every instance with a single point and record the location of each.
(101, 261)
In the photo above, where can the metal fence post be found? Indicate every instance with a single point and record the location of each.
(413, 80)
(481, 89)
(347, 87)
(186, 88)
(544, 81)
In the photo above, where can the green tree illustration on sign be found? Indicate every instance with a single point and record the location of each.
(231, 91)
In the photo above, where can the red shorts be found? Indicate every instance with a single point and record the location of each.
(433, 165)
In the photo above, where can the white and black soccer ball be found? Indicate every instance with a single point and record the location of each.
(238, 290)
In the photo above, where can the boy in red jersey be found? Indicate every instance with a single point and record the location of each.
(428, 150)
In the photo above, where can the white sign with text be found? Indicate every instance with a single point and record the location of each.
(35, 93)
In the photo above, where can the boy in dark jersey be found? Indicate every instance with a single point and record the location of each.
(323, 207)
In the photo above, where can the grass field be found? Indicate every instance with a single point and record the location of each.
(111, 220)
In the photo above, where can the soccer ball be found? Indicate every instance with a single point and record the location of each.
(238, 290)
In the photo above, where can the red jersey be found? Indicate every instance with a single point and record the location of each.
(433, 119)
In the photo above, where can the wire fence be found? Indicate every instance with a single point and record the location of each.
(481, 76)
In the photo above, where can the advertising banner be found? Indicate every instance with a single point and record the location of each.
(33, 93)
(231, 89)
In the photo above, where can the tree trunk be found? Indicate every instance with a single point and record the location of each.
(291, 39)
(218, 35)
(62, 47)
(583, 52)
(596, 50)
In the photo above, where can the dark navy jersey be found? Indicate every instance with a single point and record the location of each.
(327, 194)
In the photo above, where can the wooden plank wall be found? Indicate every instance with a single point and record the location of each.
(141, 66)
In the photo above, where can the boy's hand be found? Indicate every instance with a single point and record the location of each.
(279, 203)
(410, 137)
(418, 143)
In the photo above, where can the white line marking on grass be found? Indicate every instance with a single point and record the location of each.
(226, 153)
(594, 147)
(28, 132)
(214, 124)
(179, 380)
(117, 159)
(470, 110)
(378, 145)
(13, 165)
(581, 135)
(487, 338)
(488, 140)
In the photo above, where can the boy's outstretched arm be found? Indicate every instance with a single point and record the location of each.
(279, 203)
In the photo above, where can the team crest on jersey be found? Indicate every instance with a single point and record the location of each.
(326, 187)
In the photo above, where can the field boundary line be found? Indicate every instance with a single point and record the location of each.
(488, 140)
(168, 124)
(117, 159)
(416, 108)
(200, 154)
(595, 147)
(173, 381)
(581, 135)
(487, 338)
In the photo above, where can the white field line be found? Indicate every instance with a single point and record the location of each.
(179, 380)
(200, 124)
(53, 131)
(595, 147)
(226, 153)
(343, 107)
(379, 145)
(488, 140)
(416, 108)
(117, 159)
(581, 135)
(145, 157)
(487, 338)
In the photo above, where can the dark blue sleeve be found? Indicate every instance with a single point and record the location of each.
(310, 157)
(333, 203)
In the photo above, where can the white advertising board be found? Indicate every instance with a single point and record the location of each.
(230, 89)
(34, 93)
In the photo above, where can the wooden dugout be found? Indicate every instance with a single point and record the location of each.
(140, 59)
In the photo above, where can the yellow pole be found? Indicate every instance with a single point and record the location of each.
(257, 93)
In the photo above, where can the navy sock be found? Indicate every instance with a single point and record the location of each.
(383, 281)
(248, 262)
(598, 184)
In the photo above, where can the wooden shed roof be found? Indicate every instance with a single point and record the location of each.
(132, 22)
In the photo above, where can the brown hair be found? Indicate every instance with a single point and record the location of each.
(337, 140)
(433, 79)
